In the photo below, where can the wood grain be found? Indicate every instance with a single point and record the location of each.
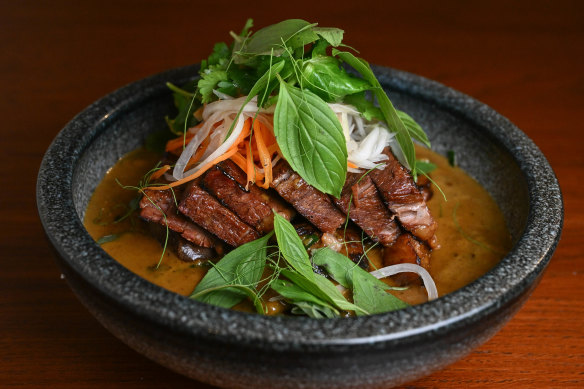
(525, 59)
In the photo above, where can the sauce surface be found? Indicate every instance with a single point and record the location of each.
(471, 229)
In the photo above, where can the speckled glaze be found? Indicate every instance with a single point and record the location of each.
(239, 350)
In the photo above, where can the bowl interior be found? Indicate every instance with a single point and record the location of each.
(487, 146)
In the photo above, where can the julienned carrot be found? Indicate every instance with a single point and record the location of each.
(249, 166)
(239, 160)
(202, 148)
(352, 165)
(179, 142)
(159, 172)
(198, 173)
(265, 156)
(228, 154)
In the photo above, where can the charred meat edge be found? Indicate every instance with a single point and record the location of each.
(206, 211)
(159, 206)
(227, 182)
(404, 199)
(307, 200)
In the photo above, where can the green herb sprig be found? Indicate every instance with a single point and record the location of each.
(287, 64)
(238, 275)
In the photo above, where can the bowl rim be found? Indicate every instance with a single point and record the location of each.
(512, 277)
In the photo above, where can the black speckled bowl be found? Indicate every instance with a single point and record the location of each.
(234, 349)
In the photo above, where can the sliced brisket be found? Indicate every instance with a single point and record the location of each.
(159, 206)
(360, 200)
(226, 181)
(308, 201)
(206, 211)
(404, 199)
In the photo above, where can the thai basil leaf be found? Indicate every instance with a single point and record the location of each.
(323, 289)
(333, 35)
(311, 138)
(313, 310)
(364, 106)
(369, 293)
(293, 32)
(389, 113)
(424, 167)
(242, 267)
(371, 297)
(413, 128)
(302, 274)
(296, 294)
(291, 246)
(324, 76)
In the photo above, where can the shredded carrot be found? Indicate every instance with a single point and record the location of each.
(352, 165)
(198, 173)
(273, 148)
(159, 172)
(228, 154)
(239, 160)
(202, 148)
(249, 166)
(177, 144)
(264, 155)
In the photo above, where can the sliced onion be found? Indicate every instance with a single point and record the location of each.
(224, 146)
(410, 268)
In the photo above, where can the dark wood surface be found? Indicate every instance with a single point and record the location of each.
(523, 58)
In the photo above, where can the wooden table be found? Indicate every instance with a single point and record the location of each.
(524, 59)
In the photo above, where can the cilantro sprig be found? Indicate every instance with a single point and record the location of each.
(289, 64)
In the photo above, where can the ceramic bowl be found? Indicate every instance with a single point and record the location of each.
(234, 349)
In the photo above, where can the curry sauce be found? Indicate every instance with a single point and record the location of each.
(471, 229)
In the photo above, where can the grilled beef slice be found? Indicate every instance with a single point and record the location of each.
(404, 199)
(185, 250)
(158, 206)
(307, 200)
(206, 211)
(226, 181)
(361, 201)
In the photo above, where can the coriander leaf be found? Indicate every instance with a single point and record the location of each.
(220, 55)
(184, 101)
(209, 79)
(333, 35)
(311, 138)
(389, 113)
(261, 88)
(241, 268)
(325, 77)
(293, 32)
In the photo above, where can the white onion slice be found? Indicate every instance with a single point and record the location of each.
(410, 268)
(224, 146)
